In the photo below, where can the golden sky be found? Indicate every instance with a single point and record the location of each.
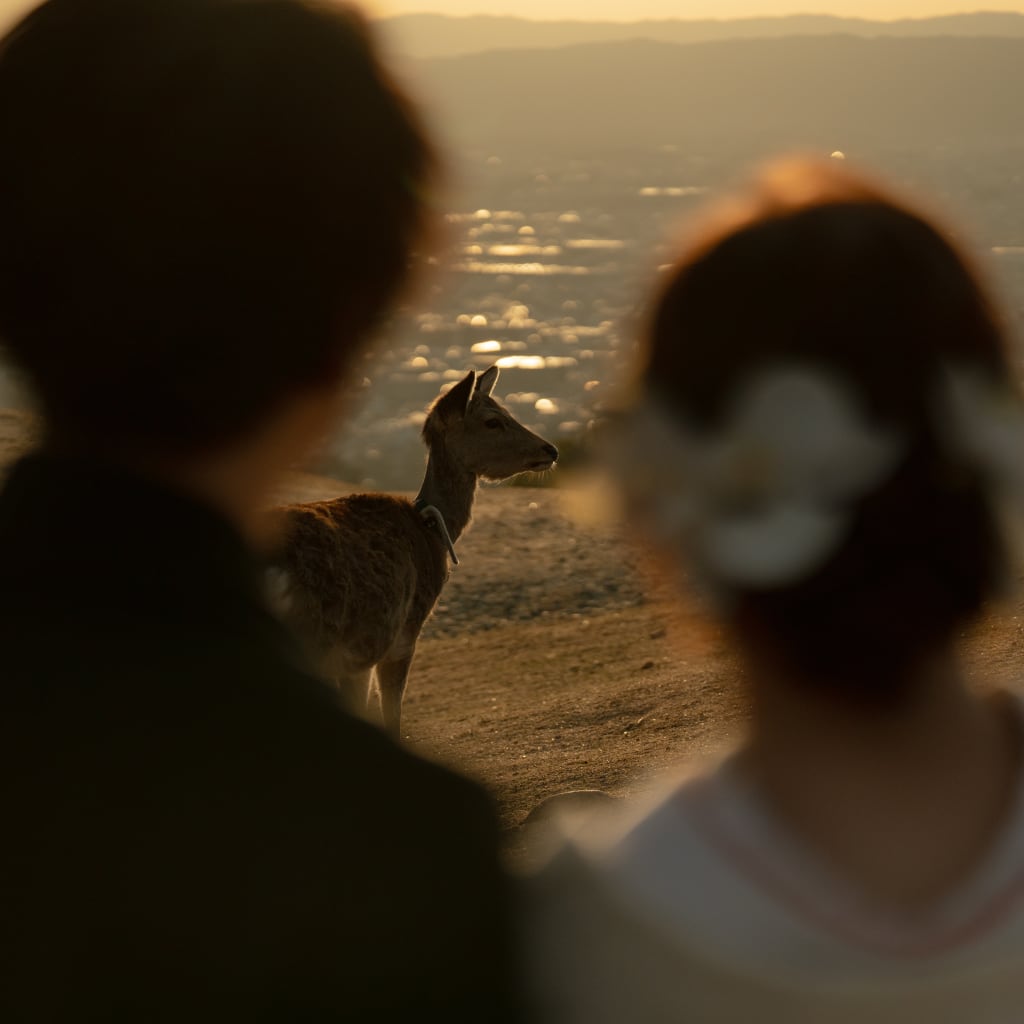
(616, 10)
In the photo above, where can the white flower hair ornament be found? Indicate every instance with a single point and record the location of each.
(983, 424)
(766, 499)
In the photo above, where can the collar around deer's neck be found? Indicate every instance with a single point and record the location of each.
(431, 515)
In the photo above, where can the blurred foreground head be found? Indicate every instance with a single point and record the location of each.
(798, 379)
(205, 208)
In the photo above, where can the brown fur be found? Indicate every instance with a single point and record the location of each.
(361, 574)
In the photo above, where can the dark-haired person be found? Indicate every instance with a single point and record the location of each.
(823, 420)
(205, 208)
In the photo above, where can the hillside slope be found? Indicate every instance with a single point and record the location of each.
(839, 92)
(438, 35)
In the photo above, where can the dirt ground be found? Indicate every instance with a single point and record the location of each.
(552, 663)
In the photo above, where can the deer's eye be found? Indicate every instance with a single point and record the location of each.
(493, 424)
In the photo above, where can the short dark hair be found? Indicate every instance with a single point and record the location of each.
(820, 267)
(205, 205)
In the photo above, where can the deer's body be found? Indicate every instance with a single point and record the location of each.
(360, 575)
(364, 575)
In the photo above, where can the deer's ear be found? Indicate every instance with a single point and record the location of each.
(456, 402)
(487, 380)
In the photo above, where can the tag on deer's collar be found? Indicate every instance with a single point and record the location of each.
(432, 514)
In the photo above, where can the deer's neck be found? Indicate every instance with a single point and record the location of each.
(450, 488)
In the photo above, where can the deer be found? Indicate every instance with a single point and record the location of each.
(357, 577)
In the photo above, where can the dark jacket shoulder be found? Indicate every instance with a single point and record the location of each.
(195, 829)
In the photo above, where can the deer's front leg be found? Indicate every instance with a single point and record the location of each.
(392, 675)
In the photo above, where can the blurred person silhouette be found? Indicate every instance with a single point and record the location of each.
(822, 430)
(206, 206)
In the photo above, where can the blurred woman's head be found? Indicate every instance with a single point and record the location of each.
(206, 206)
(803, 351)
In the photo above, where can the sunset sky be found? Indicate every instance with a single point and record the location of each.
(616, 10)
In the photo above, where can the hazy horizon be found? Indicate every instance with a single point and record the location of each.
(613, 10)
(640, 10)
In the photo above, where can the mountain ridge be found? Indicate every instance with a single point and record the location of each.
(835, 90)
(438, 35)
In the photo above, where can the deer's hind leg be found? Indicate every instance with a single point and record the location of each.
(392, 675)
(354, 688)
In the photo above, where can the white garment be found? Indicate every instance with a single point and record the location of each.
(702, 908)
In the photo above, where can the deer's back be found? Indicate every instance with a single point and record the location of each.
(360, 570)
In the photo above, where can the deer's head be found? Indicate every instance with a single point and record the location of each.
(483, 436)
